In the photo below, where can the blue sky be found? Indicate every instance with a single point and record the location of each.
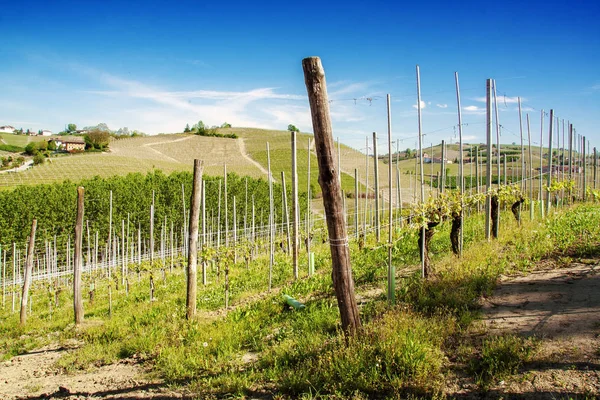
(155, 66)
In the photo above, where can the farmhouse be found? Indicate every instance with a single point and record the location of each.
(70, 144)
(46, 133)
(7, 129)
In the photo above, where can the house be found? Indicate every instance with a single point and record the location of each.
(7, 129)
(70, 144)
(73, 144)
(46, 133)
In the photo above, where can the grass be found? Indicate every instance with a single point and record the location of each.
(262, 345)
(19, 140)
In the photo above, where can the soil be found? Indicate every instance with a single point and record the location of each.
(34, 376)
(561, 308)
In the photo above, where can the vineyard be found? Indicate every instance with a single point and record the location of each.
(101, 268)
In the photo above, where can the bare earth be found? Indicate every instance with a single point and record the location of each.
(33, 376)
(561, 307)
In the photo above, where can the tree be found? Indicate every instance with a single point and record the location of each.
(292, 128)
(97, 139)
(187, 128)
(71, 128)
(199, 127)
(226, 125)
(31, 149)
(52, 145)
(38, 159)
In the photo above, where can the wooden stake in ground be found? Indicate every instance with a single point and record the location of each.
(193, 240)
(295, 208)
(78, 259)
(376, 164)
(391, 268)
(343, 283)
(28, 271)
(488, 174)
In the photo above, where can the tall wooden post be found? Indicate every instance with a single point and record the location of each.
(549, 181)
(356, 202)
(78, 259)
(442, 168)
(193, 240)
(595, 166)
(391, 268)
(295, 208)
(461, 175)
(531, 211)
(419, 118)
(28, 272)
(376, 167)
(488, 182)
(286, 213)
(584, 180)
(343, 282)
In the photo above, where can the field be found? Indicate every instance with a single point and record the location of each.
(244, 156)
(19, 140)
(434, 343)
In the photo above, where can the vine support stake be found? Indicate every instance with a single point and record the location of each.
(193, 240)
(343, 282)
(488, 172)
(28, 272)
(78, 259)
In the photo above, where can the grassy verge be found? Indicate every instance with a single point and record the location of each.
(262, 346)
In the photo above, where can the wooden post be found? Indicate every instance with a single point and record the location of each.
(225, 205)
(366, 188)
(295, 208)
(461, 176)
(271, 218)
(595, 166)
(391, 268)
(540, 194)
(442, 168)
(420, 125)
(308, 211)
(193, 240)
(488, 183)
(28, 272)
(584, 181)
(332, 194)
(109, 241)
(286, 214)
(356, 202)
(376, 169)
(78, 259)
(531, 211)
(549, 180)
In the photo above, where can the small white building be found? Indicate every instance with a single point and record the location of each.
(46, 133)
(7, 129)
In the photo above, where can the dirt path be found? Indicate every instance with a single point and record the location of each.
(34, 376)
(561, 307)
(244, 153)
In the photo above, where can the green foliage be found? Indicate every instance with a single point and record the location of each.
(11, 148)
(54, 205)
(292, 128)
(38, 159)
(501, 356)
(187, 128)
(71, 128)
(203, 130)
(97, 139)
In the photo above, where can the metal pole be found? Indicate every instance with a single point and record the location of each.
(460, 160)
(391, 268)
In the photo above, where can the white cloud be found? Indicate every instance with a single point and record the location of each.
(502, 99)
(473, 108)
(423, 105)
(469, 137)
(596, 87)
(442, 105)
